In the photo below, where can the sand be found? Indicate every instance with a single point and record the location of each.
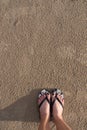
(43, 44)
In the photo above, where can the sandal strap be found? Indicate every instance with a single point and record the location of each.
(43, 101)
(56, 98)
(59, 102)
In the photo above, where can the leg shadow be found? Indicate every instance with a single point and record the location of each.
(24, 109)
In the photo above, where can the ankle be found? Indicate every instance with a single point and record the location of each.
(44, 118)
(44, 122)
(58, 117)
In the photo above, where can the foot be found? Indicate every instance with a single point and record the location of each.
(57, 107)
(45, 107)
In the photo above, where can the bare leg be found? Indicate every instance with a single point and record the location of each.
(57, 114)
(60, 124)
(44, 114)
(44, 125)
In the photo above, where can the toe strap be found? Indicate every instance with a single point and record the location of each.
(56, 98)
(59, 102)
(43, 101)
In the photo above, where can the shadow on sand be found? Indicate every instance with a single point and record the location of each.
(24, 109)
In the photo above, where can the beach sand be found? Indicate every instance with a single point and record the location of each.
(43, 44)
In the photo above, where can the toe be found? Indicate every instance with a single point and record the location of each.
(48, 96)
(41, 98)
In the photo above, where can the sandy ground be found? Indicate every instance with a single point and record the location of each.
(43, 44)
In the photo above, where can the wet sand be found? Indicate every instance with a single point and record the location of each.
(43, 44)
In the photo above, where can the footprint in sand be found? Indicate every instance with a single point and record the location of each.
(66, 52)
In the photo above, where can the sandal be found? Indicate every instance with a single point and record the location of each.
(56, 92)
(43, 92)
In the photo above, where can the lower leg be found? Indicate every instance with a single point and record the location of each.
(60, 124)
(44, 123)
(43, 126)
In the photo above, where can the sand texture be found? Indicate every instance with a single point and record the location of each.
(43, 44)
